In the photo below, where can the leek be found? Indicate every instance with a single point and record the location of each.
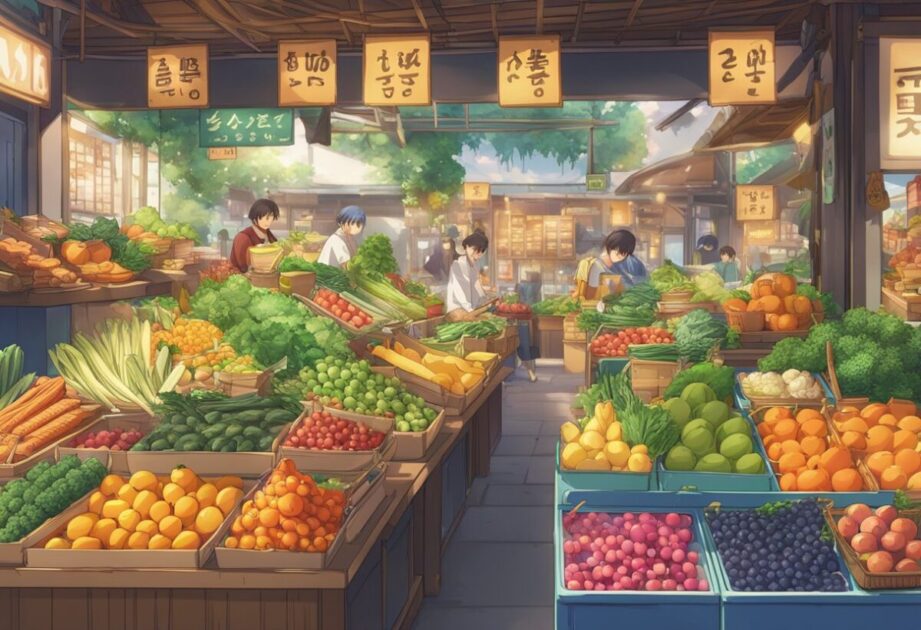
(383, 290)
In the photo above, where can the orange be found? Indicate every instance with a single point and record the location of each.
(268, 517)
(791, 462)
(893, 478)
(910, 423)
(774, 451)
(764, 429)
(775, 414)
(812, 445)
(768, 440)
(813, 462)
(887, 419)
(854, 440)
(813, 481)
(791, 446)
(873, 412)
(808, 414)
(854, 424)
(846, 480)
(904, 439)
(879, 438)
(908, 460)
(880, 461)
(834, 459)
(290, 504)
(815, 427)
(786, 429)
(902, 408)
(914, 482)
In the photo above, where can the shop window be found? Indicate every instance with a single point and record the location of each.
(153, 179)
(674, 248)
(901, 233)
(92, 172)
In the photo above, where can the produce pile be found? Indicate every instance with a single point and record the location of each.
(324, 432)
(43, 414)
(342, 308)
(371, 270)
(719, 378)
(116, 366)
(778, 297)
(480, 329)
(32, 269)
(218, 271)
(698, 334)
(267, 325)
(147, 221)
(631, 552)
(114, 440)
(13, 383)
(876, 355)
(803, 455)
(178, 512)
(303, 242)
(187, 337)
(453, 374)
(616, 344)
(715, 440)
(885, 437)
(669, 277)
(561, 306)
(790, 384)
(600, 445)
(328, 277)
(207, 421)
(709, 287)
(511, 307)
(46, 491)
(884, 540)
(125, 256)
(351, 385)
(635, 307)
(289, 513)
(777, 547)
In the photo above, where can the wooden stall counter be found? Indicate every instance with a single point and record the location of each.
(376, 581)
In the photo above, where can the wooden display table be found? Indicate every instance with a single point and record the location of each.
(908, 308)
(377, 581)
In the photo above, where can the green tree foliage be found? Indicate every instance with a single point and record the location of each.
(200, 184)
(751, 164)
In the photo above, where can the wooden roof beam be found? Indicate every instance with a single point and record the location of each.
(579, 12)
(214, 11)
(420, 15)
(493, 13)
(540, 17)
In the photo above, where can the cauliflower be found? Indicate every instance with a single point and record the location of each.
(790, 384)
(790, 375)
(764, 384)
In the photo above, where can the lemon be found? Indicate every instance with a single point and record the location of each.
(149, 527)
(143, 502)
(80, 526)
(143, 480)
(208, 520)
(103, 529)
(617, 453)
(172, 492)
(170, 526)
(206, 495)
(110, 485)
(159, 541)
(128, 520)
(227, 499)
(186, 509)
(118, 539)
(572, 455)
(614, 433)
(85, 542)
(639, 462)
(187, 540)
(138, 540)
(95, 503)
(592, 441)
(159, 510)
(569, 432)
(57, 543)
(113, 507)
(127, 493)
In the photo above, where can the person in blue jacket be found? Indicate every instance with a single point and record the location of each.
(618, 258)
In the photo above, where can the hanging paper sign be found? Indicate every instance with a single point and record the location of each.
(307, 73)
(177, 77)
(397, 70)
(756, 203)
(529, 71)
(25, 66)
(222, 153)
(246, 128)
(900, 103)
(762, 232)
(742, 68)
(877, 197)
(828, 156)
(476, 191)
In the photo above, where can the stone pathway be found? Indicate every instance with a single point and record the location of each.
(498, 569)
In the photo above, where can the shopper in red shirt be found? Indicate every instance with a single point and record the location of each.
(262, 214)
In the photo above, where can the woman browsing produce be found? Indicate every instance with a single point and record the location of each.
(262, 214)
(340, 246)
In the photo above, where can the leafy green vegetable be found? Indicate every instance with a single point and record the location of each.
(635, 307)
(486, 327)
(642, 423)
(829, 306)
(127, 253)
(561, 305)
(721, 379)
(709, 287)
(698, 333)
(328, 276)
(374, 255)
(667, 277)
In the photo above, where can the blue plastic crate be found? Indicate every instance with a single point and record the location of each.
(612, 366)
(676, 480)
(589, 610)
(853, 608)
(604, 481)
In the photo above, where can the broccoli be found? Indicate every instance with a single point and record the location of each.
(783, 356)
(36, 472)
(851, 345)
(15, 488)
(856, 373)
(858, 321)
(16, 504)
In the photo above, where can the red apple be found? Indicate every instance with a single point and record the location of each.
(874, 525)
(888, 513)
(859, 512)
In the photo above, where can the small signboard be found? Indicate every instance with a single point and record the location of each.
(307, 73)
(597, 182)
(246, 128)
(529, 71)
(177, 77)
(900, 103)
(397, 70)
(476, 191)
(742, 68)
(25, 66)
(756, 203)
(222, 153)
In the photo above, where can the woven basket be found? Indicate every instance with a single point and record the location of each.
(746, 321)
(865, 579)
(832, 379)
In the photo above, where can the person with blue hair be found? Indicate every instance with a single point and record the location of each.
(342, 244)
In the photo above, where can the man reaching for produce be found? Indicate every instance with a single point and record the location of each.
(617, 258)
(340, 246)
(465, 292)
(262, 214)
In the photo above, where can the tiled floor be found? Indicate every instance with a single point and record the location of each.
(498, 569)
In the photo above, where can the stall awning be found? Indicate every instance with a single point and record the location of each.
(750, 127)
(691, 172)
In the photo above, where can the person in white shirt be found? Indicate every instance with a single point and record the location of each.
(465, 291)
(341, 245)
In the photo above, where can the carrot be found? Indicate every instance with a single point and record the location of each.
(59, 408)
(8, 442)
(31, 402)
(57, 427)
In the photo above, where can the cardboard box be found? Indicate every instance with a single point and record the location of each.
(115, 461)
(14, 553)
(234, 384)
(316, 460)
(574, 353)
(39, 557)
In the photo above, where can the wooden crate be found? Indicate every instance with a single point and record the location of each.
(906, 307)
(669, 310)
(653, 377)
(767, 338)
(571, 330)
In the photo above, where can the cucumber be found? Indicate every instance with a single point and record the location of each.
(209, 433)
(265, 442)
(181, 429)
(159, 445)
(230, 447)
(218, 443)
(245, 446)
(253, 433)
(189, 443)
(213, 416)
(250, 415)
(278, 416)
(233, 430)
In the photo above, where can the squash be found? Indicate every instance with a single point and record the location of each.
(762, 287)
(134, 231)
(804, 321)
(801, 305)
(75, 252)
(770, 321)
(99, 252)
(755, 305)
(734, 305)
(789, 304)
(772, 304)
(783, 284)
(786, 322)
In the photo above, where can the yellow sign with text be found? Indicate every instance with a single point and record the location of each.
(756, 203)
(25, 66)
(761, 232)
(177, 77)
(900, 103)
(529, 71)
(397, 70)
(307, 73)
(222, 153)
(742, 68)
(476, 191)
